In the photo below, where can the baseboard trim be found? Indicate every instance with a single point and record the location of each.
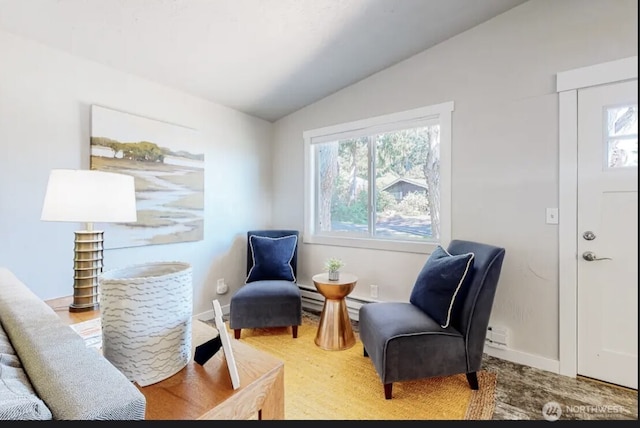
(524, 358)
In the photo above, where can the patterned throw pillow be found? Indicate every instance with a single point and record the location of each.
(439, 282)
(272, 258)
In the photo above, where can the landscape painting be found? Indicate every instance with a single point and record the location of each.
(167, 163)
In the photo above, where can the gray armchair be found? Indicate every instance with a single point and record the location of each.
(405, 343)
(270, 296)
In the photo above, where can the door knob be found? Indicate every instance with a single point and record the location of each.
(590, 256)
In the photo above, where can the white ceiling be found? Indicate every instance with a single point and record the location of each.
(267, 58)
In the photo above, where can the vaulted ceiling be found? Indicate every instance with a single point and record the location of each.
(267, 58)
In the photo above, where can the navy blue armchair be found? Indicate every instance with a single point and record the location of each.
(270, 296)
(405, 343)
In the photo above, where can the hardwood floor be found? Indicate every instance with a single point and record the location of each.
(523, 391)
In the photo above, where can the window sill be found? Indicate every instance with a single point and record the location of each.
(372, 244)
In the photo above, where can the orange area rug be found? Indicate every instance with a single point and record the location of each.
(343, 385)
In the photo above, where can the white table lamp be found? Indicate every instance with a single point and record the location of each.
(88, 196)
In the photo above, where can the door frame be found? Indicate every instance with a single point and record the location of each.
(567, 85)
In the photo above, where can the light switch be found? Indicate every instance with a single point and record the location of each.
(552, 216)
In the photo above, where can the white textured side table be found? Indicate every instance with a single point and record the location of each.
(146, 314)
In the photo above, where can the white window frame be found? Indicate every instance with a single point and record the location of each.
(442, 114)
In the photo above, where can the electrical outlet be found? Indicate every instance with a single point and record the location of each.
(497, 337)
(373, 289)
(221, 287)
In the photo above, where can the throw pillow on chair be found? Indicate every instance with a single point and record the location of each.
(272, 258)
(439, 283)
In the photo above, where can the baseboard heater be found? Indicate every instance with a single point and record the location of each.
(313, 300)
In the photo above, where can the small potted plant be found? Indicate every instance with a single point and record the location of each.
(333, 265)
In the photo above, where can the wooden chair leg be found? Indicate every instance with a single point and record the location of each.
(236, 332)
(472, 378)
(387, 390)
(294, 331)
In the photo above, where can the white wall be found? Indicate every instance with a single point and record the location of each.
(501, 77)
(45, 99)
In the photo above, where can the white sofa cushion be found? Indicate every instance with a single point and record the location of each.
(18, 400)
(75, 382)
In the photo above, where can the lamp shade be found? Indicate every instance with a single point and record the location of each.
(89, 196)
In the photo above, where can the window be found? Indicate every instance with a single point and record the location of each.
(622, 136)
(381, 182)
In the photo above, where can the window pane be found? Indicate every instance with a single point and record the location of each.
(343, 195)
(376, 183)
(407, 190)
(622, 120)
(623, 153)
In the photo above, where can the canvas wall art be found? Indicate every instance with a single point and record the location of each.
(167, 162)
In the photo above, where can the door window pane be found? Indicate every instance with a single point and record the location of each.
(622, 136)
(622, 121)
(623, 153)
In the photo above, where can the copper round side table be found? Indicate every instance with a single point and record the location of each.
(335, 332)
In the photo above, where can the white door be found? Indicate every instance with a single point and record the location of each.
(608, 233)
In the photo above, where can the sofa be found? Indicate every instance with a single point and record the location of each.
(46, 370)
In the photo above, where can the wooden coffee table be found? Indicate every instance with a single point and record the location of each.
(205, 392)
(334, 331)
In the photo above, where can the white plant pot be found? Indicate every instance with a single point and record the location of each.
(334, 275)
